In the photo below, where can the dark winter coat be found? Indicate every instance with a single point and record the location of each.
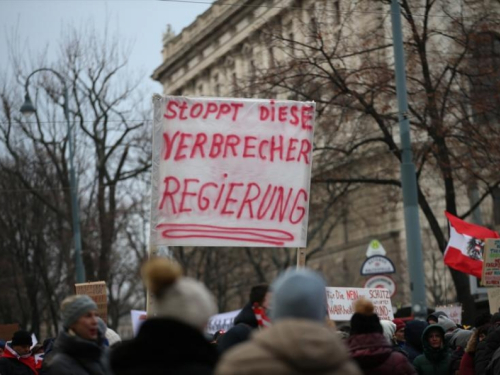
(485, 350)
(12, 363)
(244, 323)
(433, 361)
(73, 355)
(165, 346)
(413, 336)
(375, 355)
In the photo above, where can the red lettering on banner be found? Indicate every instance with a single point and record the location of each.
(301, 209)
(201, 139)
(202, 198)
(295, 117)
(186, 193)
(261, 148)
(211, 108)
(291, 148)
(224, 109)
(216, 148)
(171, 114)
(248, 201)
(232, 140)
(249, 146)
(279, 202)
(307, 117)
(230, 200)
(167, 193)
(193, 114)
(305, 149)
(169, 144)
(182, 146)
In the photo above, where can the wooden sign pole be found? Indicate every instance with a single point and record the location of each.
(301, 258)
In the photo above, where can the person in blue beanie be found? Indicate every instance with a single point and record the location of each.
(298, 341)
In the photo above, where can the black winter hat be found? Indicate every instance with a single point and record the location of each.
(21, 338)
(364, 319)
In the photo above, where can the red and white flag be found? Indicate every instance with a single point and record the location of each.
(464, 252)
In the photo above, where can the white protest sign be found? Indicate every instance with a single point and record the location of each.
(231, 172)
(341, 302)
(138, 317)
(454, 312)
(222, 321)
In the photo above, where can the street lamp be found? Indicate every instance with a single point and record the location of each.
(28, 109)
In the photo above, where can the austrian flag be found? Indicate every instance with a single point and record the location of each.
(464, 252)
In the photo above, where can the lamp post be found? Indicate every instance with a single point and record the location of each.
(27, 109)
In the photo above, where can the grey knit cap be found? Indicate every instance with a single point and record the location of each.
(74, 307)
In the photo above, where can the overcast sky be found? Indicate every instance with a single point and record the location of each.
(39, 23)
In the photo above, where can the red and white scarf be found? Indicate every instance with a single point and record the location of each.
(260, 314)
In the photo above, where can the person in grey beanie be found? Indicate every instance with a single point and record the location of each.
(78, 349)
(298, 341)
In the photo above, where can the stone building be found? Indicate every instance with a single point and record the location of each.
(224, 51)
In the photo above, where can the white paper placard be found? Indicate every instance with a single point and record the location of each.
(222, 321)
(231, 172)
(341, 302)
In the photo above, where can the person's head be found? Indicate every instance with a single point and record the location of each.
(79, 314)
(298, 293)
(21, 342)
(482, 332)
(495, 320)
(482, 319)
(389, 330)
(259, 294)
(447, 324)
(178, 297)
(433, 318)
(399, 335)
(434, 336)
(364, 319)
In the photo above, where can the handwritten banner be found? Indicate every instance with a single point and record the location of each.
(341, 302)
(491, 263)
(231, 172)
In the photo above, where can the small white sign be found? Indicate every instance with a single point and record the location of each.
(341, 302)
(222, 321)
(138, 317)
(375, 248)
(454, 312)
(382, 282)
(377, 265)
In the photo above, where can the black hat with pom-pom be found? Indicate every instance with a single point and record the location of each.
(364, 319)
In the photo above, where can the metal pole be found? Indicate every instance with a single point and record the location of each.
(408, 175)
(75, 209)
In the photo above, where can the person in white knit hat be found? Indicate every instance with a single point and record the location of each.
(172, 341)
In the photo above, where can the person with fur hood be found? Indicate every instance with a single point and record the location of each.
(467, 362)
(298, 342)
(172, 341)
(368, 346)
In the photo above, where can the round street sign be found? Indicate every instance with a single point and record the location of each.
(377, 265)
(382, 282)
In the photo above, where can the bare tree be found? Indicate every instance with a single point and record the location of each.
(112, 153)
(341, 59)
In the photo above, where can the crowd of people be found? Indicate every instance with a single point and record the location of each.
(284, 329)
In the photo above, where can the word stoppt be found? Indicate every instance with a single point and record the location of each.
(231, 172)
